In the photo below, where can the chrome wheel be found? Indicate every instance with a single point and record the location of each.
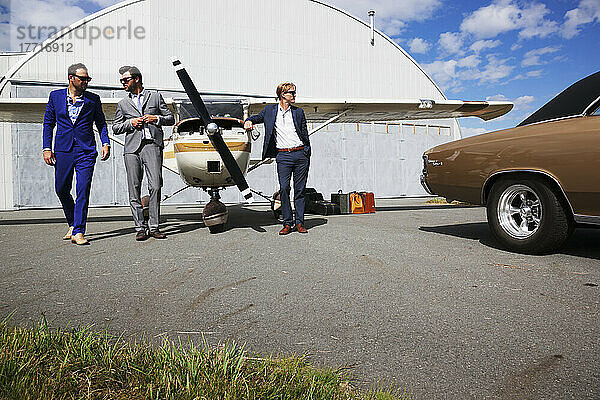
(526, 215)
(519, 211)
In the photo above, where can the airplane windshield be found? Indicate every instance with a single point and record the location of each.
(216, 108)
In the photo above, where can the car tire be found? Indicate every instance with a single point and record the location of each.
(526, 216)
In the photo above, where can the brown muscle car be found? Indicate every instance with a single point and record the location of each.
(538, 180)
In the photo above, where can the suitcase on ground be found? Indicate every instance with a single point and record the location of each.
(311, 194)
(323, 207)
(343, 200)
(368, 201)
(357, 205)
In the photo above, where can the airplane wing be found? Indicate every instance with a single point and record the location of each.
(367, 110)
(31, 110)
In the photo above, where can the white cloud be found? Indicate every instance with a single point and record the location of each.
(507, 15)
(390, 15)
(534, 24)
(529, 74)
(523, 100)
(36, 20)
(105, 3)
(418, 45)
(442, 72)
(451, 43)
(535, 73)
(45, 12)
(4, 32)
(451, 74)
(521, 103)
(587, 11)
(469, 62)
(516, 46)
(532, 57)
(495, 70)
(484, 44)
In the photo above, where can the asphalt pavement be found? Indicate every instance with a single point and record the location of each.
(413, 295)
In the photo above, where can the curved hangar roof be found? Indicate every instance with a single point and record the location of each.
(233, 47)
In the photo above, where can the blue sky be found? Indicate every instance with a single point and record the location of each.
(517, 50)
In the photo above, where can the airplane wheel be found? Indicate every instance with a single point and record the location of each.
(216, 228)
(526, 216)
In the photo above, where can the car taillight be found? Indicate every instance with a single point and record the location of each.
(425, 161)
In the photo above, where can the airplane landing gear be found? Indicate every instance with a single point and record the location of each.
(215, 213)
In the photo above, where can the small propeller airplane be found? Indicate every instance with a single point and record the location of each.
(213, 153)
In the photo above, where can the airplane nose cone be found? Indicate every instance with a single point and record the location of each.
(212, 128)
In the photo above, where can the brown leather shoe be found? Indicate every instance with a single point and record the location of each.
(140, 236)
(156, 234)
(68, 234)
(78, 239)
(301, 229)
(286, 229)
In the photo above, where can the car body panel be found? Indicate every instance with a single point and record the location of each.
(568, 150)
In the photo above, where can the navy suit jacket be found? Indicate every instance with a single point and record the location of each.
(268, 116)
(57, 115)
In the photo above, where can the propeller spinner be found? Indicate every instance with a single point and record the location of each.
(213, 131)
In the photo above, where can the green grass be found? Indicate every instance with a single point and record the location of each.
(46, 363)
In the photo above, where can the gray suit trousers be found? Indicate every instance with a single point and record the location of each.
(149, 157)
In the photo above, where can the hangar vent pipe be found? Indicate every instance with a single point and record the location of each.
(372, 18)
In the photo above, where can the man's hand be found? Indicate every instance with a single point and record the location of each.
(48, 157)
(137, 122)
(150, 119)
(105, 153)
(248, 125)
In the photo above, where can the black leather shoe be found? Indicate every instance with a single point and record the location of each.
(156, 234)
(140, 236)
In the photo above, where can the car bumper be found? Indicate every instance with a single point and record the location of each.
(425, 185)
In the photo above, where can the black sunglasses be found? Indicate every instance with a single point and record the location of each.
(83, 78)
(292, 92)
(125, 80)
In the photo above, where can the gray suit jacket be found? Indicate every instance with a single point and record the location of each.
(127, 110)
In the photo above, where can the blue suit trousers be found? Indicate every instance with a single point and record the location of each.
(81, 162)
(294, 163)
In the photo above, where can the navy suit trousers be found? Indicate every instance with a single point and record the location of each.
(293, 163)
(82, 163)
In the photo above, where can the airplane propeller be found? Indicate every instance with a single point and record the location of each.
(213, 131)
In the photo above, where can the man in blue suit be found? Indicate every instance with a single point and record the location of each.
(73, 111)
(286, 139)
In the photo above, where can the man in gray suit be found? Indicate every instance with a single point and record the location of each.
(140, 116)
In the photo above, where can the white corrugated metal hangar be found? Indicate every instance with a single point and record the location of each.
(233, 49)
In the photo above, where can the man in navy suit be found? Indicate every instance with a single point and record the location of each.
(286, 139)
(73, 111)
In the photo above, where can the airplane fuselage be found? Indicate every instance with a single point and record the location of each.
(198, 163)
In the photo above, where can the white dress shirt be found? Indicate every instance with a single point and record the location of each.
(286, 136)
(138, 100)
